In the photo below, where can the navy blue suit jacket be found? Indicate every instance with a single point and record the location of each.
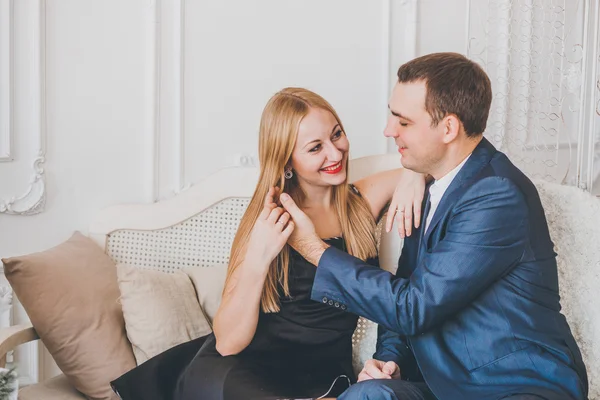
(474, 305)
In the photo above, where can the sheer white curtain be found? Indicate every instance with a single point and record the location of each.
(542, 58)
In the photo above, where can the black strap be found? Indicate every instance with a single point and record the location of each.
(354, 189)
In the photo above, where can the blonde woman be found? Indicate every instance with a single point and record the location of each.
(270, 340)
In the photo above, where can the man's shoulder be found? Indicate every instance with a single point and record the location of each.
(502, 173)
(503, 181)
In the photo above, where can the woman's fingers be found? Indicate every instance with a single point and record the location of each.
(417, 208)
(389, 221)
(276, 194)
(266, 211)
(269, 198)
(269, 205)
(408, 220)
(287, 232)
(400, 223)
(275, 214)
(283, 220)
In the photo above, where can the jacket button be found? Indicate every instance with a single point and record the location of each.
(330, 302)
(324, 299)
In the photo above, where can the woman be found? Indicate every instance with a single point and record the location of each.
(270, 339)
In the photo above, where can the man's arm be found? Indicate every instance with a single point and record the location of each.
(485, 237)
(304, 239)
(391, 347)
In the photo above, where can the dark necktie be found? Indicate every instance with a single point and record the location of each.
(424, 223)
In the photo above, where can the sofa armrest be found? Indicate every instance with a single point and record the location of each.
(12, 336)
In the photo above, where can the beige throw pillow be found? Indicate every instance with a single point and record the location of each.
(160, 309)
(209, 283)
(70, 294)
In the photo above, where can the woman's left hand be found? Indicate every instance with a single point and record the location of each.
(406, 203)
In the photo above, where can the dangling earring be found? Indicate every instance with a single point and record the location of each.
(288, 173)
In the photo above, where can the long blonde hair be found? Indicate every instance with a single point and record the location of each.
(277, 137)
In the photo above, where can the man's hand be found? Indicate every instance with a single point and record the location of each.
(304, 239)
(375, 369)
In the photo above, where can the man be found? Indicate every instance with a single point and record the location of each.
(473, 311)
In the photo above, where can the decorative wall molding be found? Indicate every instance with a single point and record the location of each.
(169, 178)
(34, 198)
(386, 39)
(408, 10)
(401, 43)
(6, 79)
(398, 40)
(592, 112)
(155, 84)
(26, 357)
(180, 182)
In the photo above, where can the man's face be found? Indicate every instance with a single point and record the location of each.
(409, 124)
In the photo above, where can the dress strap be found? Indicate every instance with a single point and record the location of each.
(355, 189)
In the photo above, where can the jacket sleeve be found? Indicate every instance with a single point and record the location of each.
(485, 237)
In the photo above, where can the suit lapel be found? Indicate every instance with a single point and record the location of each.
(480, 157)
(411, 246)
(423, 223)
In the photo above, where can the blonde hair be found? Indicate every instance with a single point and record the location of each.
(277, 137)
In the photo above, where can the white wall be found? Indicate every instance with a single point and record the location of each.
(96, 126)
(265, 46)
(143, 97)
(442, 26)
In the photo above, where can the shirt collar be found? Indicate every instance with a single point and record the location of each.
(439, 186)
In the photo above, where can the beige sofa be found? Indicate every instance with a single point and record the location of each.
(209, 213)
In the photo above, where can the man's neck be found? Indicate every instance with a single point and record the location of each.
(455, 157)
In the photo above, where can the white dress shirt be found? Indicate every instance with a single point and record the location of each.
(439, 187)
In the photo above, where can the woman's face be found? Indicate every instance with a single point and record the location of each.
(321, 151)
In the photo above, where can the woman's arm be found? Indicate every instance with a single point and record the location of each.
(235, 323)
(378, 188)
(403, 187)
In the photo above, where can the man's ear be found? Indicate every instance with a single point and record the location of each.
(452, 127)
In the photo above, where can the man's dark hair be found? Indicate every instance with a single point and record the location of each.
(455, 85)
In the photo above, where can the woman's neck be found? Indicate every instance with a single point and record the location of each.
(316, 196)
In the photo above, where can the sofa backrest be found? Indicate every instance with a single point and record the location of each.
(574, 221)
(196, 227)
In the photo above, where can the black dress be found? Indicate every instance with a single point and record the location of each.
(297, 352)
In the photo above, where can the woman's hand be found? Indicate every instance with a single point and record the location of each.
(270, 232)
(406, 203)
